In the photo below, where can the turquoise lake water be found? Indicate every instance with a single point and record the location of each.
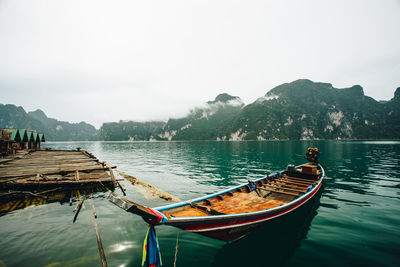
(355, 221)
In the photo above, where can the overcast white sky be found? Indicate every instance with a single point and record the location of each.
(100, 61)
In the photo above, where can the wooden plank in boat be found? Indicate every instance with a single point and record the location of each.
(243, 202)
(295, 184)
(310, 180)
(300, 180)
(283, 187)
(190, 212)
(279, 182)
(284, 192)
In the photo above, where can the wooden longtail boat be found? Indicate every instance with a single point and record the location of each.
(232, 213)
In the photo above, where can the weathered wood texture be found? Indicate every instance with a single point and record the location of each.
(150, 190)
(238, 203)
(54, 168)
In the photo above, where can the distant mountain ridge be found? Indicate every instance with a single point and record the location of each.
(299, 110)
(12, 116)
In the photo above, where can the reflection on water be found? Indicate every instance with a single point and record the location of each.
(356, 222)
(12, 202)
(272, 244)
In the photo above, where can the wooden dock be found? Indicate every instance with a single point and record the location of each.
(55, 168)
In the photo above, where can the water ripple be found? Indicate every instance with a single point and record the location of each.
(356, 222)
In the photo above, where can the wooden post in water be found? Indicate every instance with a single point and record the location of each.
(78, 209)
(99, 243)
(122, 188)
(70, 199)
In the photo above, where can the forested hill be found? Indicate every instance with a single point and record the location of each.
(12, 116)
(298, 110)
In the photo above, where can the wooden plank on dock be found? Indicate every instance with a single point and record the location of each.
(51, 168)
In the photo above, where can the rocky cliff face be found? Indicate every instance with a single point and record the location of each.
(307, 110)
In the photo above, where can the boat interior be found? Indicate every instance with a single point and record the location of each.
(269, 192)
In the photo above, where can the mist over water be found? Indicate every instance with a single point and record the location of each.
(354, 221)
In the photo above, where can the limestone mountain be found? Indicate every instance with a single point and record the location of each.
(392, 115)
(307, 110)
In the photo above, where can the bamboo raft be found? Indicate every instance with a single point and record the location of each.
(55, 168)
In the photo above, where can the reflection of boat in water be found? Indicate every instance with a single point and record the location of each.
(232, 213)
(280, 238)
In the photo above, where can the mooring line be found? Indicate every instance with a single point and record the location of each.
(176, 247)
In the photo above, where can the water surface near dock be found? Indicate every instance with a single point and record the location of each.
(354, 223)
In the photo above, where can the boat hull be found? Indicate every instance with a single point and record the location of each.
(231, 227)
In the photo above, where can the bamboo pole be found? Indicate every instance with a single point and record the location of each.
(99, 243)
(78, 209)
(112, 176)
(70, 199)
(122, 188)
